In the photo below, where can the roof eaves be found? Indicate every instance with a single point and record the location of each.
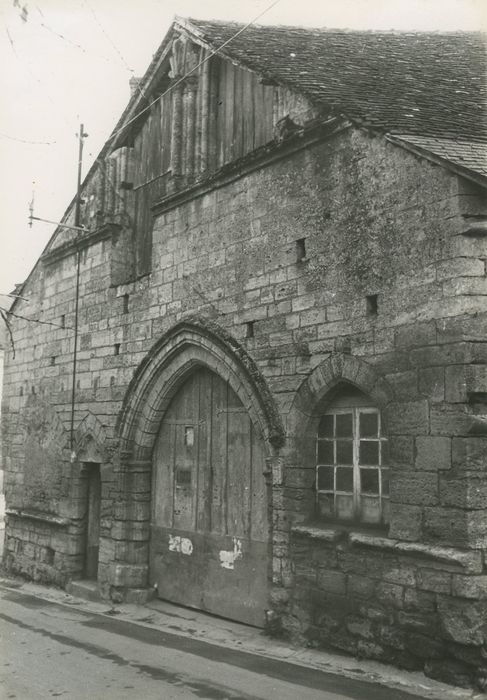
(463, 171)
(145, 84)
(199, 36)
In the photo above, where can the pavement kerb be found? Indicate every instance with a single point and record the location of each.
(220, 632)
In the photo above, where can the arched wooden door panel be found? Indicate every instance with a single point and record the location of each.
(209, 525)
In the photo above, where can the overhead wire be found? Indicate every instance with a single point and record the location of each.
(34, 320)
(198, 65)
(180, 80)
(55, 104)
(34, 143)
(105, 33)
(212, 53)
(75, 44)
(112, 43)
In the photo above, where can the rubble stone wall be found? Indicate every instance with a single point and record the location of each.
(283, 258)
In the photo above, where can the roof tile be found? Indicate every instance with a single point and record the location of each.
(423, 84)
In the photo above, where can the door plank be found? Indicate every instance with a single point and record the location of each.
(93, 524)
(259, 518)
(185, 464)
(163, 475)
(204, 484)
(213, 553)
(218, 456)
(248, 112)
(238, 468)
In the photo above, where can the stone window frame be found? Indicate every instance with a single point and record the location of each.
(338, 373)
(327, 464)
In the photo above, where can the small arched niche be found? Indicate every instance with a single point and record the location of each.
(89, 451)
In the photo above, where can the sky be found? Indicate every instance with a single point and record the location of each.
(69, 62)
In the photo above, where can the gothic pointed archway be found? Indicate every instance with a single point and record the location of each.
(197, 428)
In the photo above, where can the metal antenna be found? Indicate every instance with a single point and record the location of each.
(77, 227)
(77, 217)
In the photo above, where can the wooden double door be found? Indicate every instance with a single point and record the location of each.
(209, 540)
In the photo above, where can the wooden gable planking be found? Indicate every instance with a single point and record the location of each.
(225, 112)
(233, 114)
(221, 112)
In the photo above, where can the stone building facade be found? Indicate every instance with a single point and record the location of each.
(280, 406)
(3, 333)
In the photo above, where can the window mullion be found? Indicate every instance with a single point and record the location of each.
(334, 466)
(369, 508)
(356, 472)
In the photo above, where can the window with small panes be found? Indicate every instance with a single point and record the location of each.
(352, 477)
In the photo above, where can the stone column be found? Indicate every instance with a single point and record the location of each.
(205, 114)
(212, 158)
(131, 531)
(110, 185)
(177, 129)
(191, 86)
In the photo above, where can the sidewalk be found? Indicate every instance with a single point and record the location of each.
(212, 630)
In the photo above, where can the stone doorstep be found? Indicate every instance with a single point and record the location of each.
(182, 621)
(87, 589)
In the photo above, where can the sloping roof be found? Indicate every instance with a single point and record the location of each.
(419, 84)
(462, 153)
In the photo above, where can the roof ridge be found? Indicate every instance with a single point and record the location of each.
(417, 82)
(329, 30)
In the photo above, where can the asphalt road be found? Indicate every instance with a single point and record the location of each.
(49, 650)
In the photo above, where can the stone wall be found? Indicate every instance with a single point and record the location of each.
(338, 260)
(2, 494)
(415, 606)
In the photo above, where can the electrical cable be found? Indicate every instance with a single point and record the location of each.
(34, 320)
(34, 143)
(109, 39)
(38, 80)
(112, 43)
(43, 24)
(186, 75)
(180, 80)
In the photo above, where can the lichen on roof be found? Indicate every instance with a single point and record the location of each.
(425, 83)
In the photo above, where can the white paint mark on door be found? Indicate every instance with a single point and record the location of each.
(180, 544)
(228, 558)
(186, 546)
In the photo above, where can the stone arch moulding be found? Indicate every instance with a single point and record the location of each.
(192, 342)
(335, 370)
(89, 440)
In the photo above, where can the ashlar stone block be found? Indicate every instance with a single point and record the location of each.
(469, 453)
(414, 488)
(433, 453)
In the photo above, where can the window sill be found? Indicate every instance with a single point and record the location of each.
(469, 561)
(327, 534)
(40, 517)
(332, 532)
